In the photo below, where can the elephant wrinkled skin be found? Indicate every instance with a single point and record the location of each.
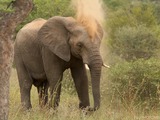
(44, 49)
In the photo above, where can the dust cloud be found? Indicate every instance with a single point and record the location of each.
(88, 13)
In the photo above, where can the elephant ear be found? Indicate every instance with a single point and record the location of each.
(99, 34)
(100, 31)
(54, 35)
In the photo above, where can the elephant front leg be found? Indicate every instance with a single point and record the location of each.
(81, 82)
(55, 90)
(57, 96)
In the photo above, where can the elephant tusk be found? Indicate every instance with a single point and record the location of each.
(86, 66)
(106, 66)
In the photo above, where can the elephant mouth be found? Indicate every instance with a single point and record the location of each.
(77, 55)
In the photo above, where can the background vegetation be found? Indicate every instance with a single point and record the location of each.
(133, 42)
(131, 87)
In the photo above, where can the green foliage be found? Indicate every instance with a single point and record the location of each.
(157, 12)
(132, 43)
(4, 4)
(68, 84)
(133, 40)
(144, 14)
(116, 4)
(137, 83)
(48, 8)
(5, 7)
(133, 15)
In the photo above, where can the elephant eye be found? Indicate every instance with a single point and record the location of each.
(79, 45)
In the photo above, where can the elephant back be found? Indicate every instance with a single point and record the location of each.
(26, 37)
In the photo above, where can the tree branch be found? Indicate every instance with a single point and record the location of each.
(9, 21)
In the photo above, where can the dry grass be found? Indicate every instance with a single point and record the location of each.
(68, 109)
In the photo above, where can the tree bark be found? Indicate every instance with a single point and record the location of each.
(8, 23)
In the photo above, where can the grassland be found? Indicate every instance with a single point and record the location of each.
(68, 109)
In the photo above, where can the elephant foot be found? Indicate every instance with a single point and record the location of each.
(88, 111)
(92, 109)
(88, 108)
(26, 108)
(83, 106)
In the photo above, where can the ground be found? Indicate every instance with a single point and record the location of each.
(68, 109)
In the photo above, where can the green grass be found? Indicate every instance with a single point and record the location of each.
(68, 109)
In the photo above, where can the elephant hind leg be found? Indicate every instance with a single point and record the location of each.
(43, 93)
(25, 83)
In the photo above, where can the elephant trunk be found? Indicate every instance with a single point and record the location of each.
(95, 66)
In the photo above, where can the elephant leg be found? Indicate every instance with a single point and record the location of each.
(39, 89)
(81, 82)
(45, 97)
(58, 93)
(54, 71)
(55, 89)
(43, 94)
(25, 83)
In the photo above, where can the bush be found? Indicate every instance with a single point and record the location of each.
(157, 12)
(116, 4)
(48, 8)
(134, 15)
(136, 83)
(132, 43)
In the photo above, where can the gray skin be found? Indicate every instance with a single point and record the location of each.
(44, 49)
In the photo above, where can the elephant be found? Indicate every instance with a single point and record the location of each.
(44, 49)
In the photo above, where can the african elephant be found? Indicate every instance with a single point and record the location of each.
(44, 49)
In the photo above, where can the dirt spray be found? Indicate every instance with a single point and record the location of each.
(88, 12)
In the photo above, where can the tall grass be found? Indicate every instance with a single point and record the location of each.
(68, 109)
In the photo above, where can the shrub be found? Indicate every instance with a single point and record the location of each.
(48, 8)
(115, 4)
(157, 12)
(132, 43)
(136, 83)
(134, 15)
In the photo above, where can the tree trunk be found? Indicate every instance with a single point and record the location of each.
(8, 23)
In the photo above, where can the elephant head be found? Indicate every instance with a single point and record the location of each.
(64, 36)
